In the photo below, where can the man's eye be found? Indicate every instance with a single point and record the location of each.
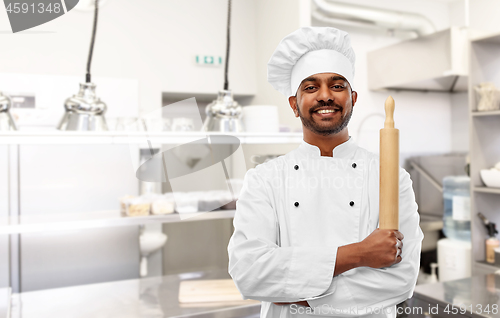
(309, 87)
(338, 86)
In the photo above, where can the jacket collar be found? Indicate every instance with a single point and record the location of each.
(344, 150)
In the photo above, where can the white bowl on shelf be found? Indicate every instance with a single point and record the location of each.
(491, 177)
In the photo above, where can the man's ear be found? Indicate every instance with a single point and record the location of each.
(292, 100)
(354, 97)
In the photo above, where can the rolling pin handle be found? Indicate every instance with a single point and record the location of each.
(389, 113)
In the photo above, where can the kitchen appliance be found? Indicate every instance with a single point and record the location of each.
(434, 62)
(6, 121)
(224, 113)
(335, 13)
(85, 111)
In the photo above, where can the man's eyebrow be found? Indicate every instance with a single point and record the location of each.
(310, 79)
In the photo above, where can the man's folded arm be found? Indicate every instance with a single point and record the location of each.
(370, 288)
(260, 268)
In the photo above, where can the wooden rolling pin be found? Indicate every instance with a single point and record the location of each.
(389, 170)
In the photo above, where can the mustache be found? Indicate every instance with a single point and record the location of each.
(323, 104)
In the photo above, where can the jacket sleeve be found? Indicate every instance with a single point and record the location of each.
(260, 268)
(367, 289)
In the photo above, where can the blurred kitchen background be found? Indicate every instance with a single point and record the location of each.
(79, 228)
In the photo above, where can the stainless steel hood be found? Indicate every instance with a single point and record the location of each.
(435, 62)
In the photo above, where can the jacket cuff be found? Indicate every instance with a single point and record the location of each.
(311, 272)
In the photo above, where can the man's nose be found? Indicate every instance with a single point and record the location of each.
(324, 94)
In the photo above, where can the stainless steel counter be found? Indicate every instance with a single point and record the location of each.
(149, 298)
(477, 296)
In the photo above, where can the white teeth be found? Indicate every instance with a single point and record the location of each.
(324, 111)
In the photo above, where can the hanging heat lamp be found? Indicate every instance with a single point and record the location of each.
(85, 111)
(6, 121)
(224, 113)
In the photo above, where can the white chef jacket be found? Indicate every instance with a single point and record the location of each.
(292, 215)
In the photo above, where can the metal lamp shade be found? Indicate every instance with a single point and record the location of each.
(6, 121)
(223, 114)
(84, 111)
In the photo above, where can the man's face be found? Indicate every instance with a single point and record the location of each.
(324, 103)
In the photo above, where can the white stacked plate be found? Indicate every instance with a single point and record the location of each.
(261, 118)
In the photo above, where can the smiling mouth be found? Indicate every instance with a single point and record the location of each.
(326, 111)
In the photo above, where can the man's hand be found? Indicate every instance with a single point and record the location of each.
(301, 303)
(382, 248)
(377, 250)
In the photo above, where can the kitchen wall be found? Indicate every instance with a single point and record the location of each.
(484, 15)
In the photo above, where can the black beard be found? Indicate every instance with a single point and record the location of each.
(325, 131)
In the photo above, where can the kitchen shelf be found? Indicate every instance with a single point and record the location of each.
(487, 190)
(99, 219)
(493, 38)
(483, 140)
(123, 137)
(488, 113)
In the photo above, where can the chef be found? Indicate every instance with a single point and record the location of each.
(306, 240)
